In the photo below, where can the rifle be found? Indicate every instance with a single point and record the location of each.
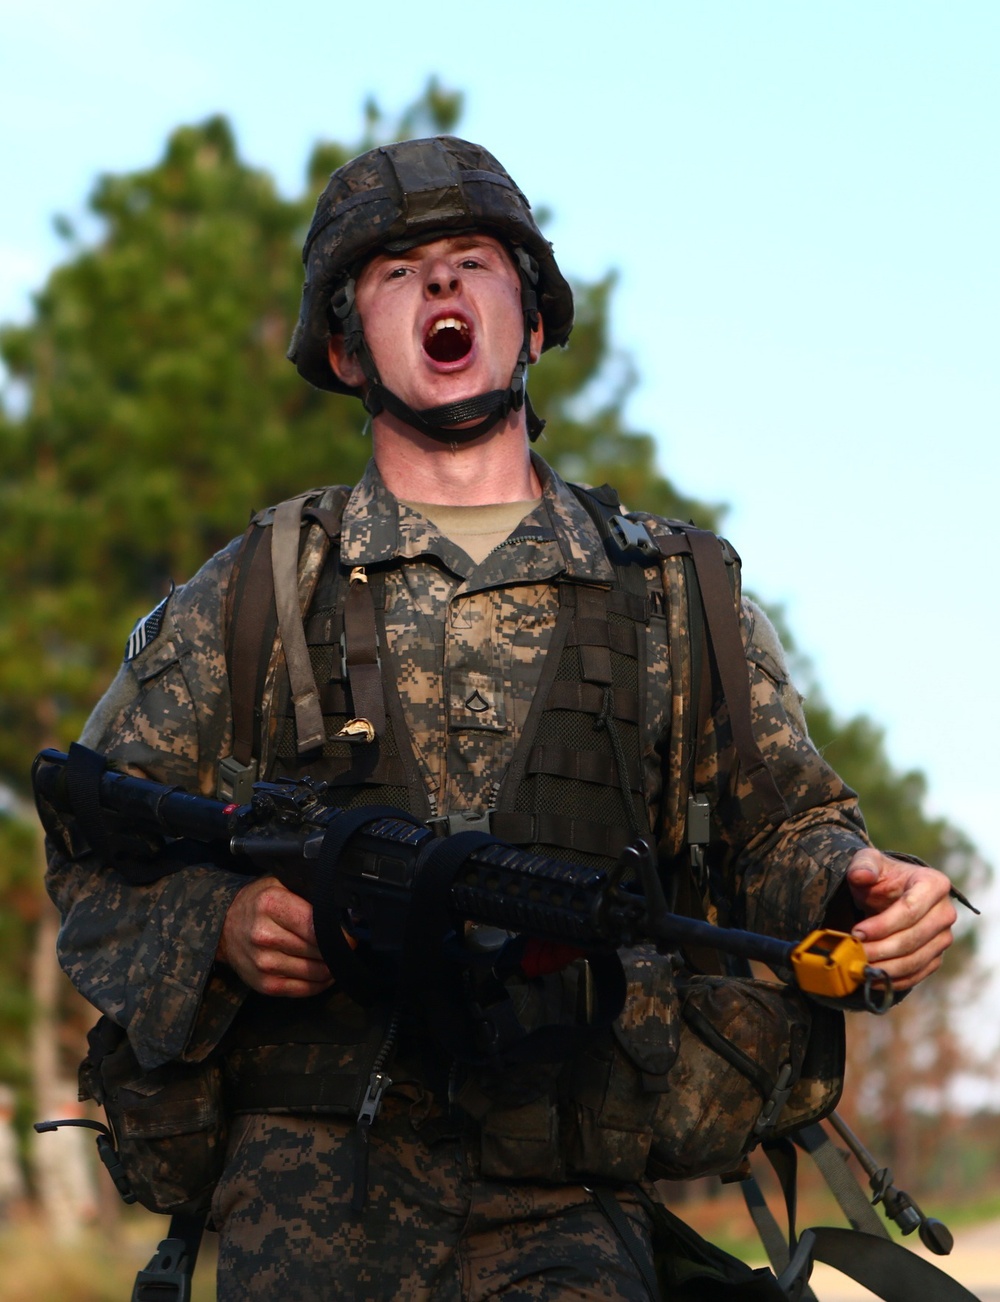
(393, 872)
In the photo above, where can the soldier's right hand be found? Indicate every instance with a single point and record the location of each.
(269, 941)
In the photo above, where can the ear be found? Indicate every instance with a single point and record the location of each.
(537, 340)
(345, 367)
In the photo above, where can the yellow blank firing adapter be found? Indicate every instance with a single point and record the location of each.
(833, 964)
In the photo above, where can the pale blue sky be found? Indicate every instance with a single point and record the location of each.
(802, 200)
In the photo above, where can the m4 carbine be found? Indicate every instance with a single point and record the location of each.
(389, 872)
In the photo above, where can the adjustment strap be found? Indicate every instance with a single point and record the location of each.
(285, 568)
(362, 664)
(838, 1175)
(492, 407)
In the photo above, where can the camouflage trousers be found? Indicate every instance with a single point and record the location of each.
(430, 1229)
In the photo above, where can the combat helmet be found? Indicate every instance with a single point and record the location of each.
(391, 199)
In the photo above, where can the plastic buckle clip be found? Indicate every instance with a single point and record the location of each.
(632, 538)
(167, 1277)
(774, 1105)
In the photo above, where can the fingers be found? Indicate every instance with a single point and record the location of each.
(910, 915)
(269, 940)
(909, 956)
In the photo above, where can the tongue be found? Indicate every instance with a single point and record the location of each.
(447, 345)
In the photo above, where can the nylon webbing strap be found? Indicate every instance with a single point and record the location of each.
(843, 1185)
(775, 1243)
(364, 670)
(285, 567)
(633, 1245)
(730, 660)
(887, 1269)
(546, 828)
(352, 975)
(83, 786)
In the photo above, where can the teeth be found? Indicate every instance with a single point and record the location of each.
(449, 323)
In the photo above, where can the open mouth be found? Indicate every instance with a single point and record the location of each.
(448, 339)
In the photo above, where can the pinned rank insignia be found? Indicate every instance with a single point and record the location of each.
(147, 629)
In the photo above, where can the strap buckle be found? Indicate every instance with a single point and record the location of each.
(235, 780)
(466, 821)
(774, 1105)
(633, 539)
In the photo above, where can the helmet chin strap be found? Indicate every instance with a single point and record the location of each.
(486, 409)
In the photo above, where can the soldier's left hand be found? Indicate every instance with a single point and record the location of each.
(909, 915)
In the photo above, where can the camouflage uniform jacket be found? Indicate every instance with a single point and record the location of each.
(468, 643)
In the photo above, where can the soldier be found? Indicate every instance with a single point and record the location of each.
(467, 650)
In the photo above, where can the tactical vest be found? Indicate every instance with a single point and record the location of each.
(577, 787)
(587, 773)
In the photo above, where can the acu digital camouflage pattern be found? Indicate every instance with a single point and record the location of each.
(430, 1229)
(145, 955)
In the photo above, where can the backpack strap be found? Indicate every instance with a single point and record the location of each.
(730, 663)
(709, 556)
(865, 1252)
(262, 605)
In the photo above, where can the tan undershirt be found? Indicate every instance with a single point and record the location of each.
(476, 529)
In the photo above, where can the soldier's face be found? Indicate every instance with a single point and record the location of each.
(443, 320)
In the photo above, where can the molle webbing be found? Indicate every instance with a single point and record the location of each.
(574, 788)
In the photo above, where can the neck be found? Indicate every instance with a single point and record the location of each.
(496, 467)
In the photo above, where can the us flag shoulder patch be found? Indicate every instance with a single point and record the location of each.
(147, 629)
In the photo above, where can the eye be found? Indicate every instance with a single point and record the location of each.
(397, 273)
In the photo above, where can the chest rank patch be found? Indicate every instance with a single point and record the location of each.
(147, 629)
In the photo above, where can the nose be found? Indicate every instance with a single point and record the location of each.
(441, 279)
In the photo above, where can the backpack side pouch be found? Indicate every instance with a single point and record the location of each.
(169, 1123)
(742, 1047)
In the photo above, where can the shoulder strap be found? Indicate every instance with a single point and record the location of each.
(627, 542)
(263, 603)
(603, 505)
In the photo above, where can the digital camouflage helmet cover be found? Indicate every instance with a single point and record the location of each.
(391, 199)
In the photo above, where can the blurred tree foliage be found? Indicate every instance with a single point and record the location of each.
(160, 410)
(150, 409)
